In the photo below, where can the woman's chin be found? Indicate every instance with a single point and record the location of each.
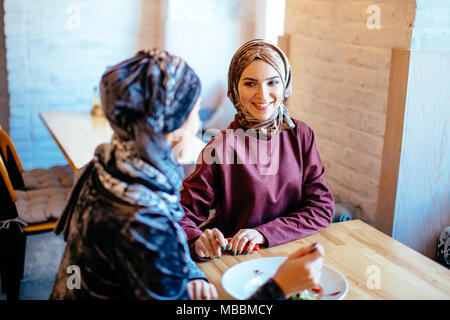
(262, 115)
(263, 118)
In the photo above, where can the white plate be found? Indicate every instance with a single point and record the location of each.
(242, 280)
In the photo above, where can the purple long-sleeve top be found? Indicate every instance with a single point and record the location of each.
(276, 187)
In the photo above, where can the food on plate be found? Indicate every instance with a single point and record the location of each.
(314, 293)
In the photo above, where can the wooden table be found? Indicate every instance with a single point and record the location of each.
(78, 133)
(358, 250)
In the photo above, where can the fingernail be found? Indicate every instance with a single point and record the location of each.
(238, 253)
(314, 246)
(218, 257)
(229, 248)
(233, 253)
(223, 248)
(245, 252)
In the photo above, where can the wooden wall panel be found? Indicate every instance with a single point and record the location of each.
(398, 83)
(422, 208)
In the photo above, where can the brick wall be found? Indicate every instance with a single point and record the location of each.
(56, 53)
(341, 64)
(207, 34)
(4, 96)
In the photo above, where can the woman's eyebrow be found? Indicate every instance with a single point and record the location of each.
(252, 79)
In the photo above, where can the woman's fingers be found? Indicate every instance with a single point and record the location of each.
(200, 250)
(190, 290)
(201, 290)
(316, 254)
(209, 244)
(230, 246)
(244, 241)
(251, 246)
(217, 241)
(221, 241)
(197, 290)
(303, 251)
(313, 265)
(214, 294)
(316, 273)
(206, 293)
(302, 270)
(241, 243)
(315, 248)
(209, 291)
(194, 290)
(203, 247)
(233, 245)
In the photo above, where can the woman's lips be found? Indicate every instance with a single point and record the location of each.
(261, 106)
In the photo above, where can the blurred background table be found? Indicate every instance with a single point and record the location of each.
(78, 133)
(358, 250)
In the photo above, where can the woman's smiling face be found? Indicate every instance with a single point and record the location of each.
(260, 89)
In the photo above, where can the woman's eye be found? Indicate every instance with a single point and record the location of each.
(273, 82)
(249, 84)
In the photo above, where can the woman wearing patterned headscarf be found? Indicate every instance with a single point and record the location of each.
(121, 220)
(280, 197)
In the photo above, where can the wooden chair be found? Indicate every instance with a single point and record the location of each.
(14, 230)
(11, 160)
(54, 177)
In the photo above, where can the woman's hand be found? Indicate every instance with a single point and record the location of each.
(201, 290)
(209, 244)
(301, 270)
(243, 237)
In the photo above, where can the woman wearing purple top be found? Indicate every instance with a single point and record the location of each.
(263, 175)
(121, 219)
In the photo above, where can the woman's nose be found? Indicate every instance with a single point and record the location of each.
(263, 92)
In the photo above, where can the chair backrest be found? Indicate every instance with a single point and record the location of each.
(11, 160)
(8, 196)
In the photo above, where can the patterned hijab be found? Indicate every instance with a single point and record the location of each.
(270, 53)
(143, 98)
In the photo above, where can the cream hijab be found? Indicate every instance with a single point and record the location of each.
(270, 53)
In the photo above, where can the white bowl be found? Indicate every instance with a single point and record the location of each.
(242, 280)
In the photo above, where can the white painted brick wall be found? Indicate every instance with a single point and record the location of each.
(4, 96)
(54, 63)
(340, 86)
